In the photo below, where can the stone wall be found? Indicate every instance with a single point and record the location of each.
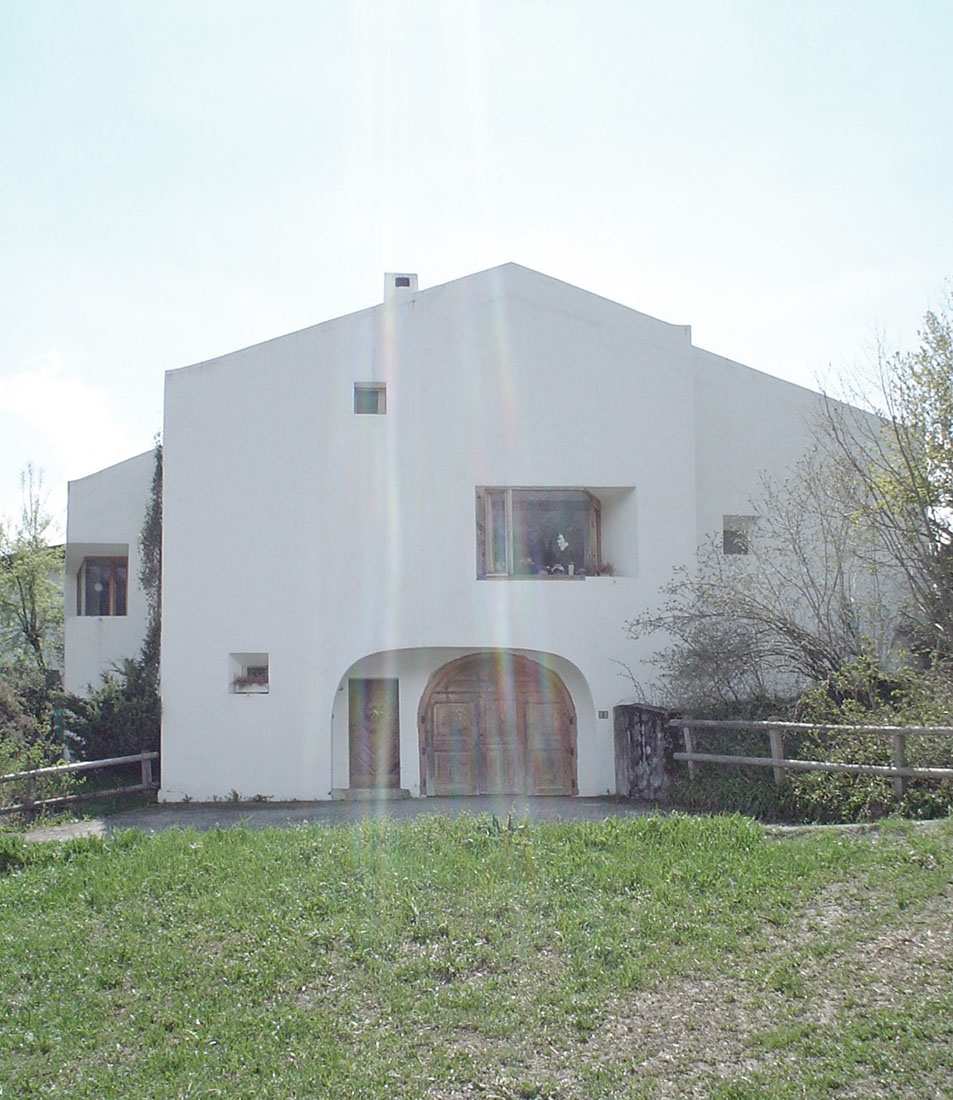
(643, 752)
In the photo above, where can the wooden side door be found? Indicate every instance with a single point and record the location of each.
(373, 733)
(453, 750)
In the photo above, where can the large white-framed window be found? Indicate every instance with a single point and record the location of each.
(537, 532)
(101, 586)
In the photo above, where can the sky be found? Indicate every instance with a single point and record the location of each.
(180, 180)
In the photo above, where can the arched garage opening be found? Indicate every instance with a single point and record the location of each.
(497, 723)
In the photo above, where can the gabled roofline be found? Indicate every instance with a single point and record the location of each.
(112, 466)
(476, 275)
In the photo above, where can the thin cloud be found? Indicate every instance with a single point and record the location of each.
(75, 422)
(65, 426)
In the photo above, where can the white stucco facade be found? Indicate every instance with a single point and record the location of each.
(309, 545)
(105, 515)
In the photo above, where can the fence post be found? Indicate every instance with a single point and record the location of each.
(899, 761)
(776, 737)
(689, 736)
(29, 800)
(146, 773)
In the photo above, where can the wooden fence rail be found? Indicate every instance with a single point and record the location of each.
(31, 803)
(900, 772)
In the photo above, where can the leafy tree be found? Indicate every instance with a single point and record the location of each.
(903, 468)
(21, 695)
(31, 642)
(31, 593)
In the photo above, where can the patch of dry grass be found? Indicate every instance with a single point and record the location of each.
(641, 960)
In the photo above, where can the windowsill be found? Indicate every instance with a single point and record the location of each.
(534, 577)
(552, 577)
(251, 689)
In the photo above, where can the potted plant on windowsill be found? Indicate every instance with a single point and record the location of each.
(604, 569)
(249, 685)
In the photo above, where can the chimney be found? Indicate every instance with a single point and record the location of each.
(399, 285)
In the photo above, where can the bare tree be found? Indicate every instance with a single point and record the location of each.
(814, 590)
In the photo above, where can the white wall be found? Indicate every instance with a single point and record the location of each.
(746, 424)
(104, 519)
(333, 541)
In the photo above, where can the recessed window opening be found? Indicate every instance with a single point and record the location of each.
(537, 532)
(249, 673)
(402, 280)
(737, 534)
(370, 398)
(101, 586)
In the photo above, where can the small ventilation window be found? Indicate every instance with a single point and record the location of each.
(370, 397)
(737, 533)
(402, 280)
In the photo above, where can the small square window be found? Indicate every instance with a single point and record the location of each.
(737, 533)
(370, 397)
(402, 280)
(249, 673)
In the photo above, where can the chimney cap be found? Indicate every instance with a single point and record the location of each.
(398, 284)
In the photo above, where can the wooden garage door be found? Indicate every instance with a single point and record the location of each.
(497, 723)
(454, 745)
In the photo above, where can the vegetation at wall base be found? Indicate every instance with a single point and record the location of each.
(447, 958)
(858, 693)
(812, 798)
(121, 717)
(17, 755)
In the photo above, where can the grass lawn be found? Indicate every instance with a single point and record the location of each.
(450, 958)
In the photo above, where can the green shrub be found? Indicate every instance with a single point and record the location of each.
(859, 693)
(862, 693)
(121, 717)
(17, 755)
(26, 703)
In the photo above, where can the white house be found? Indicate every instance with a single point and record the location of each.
(106, 612)
(400, 546)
